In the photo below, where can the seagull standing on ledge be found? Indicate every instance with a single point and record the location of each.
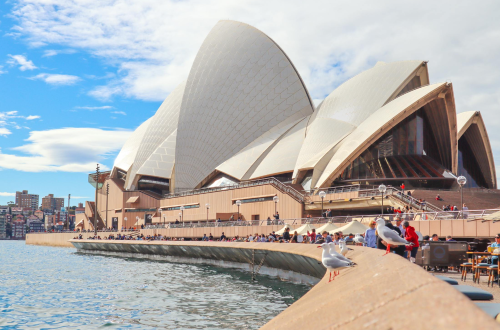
(335, 254)
(391, 237)
(343, 248)
(332, 263)
(358, 239)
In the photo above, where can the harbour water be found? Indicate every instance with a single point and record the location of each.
(58, 288)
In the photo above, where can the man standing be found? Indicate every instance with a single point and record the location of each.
(403, 187)
(222, 237)
(204, 238)
(465, 211)
(399, 224)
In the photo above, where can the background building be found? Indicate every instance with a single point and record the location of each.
(18, 229)
(23, 199)
(3, 223)
(52, 203)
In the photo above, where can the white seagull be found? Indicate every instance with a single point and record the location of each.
(359, 239)
(391, 237)
(332, 263)
(335, 254)
(343, 248)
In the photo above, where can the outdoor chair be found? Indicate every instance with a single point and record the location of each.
(491, 274)
(477, 271)
(465, 267)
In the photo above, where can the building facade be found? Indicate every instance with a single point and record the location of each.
(244, 116)
(24, 199)
(3, 223)
(51, 203)
(18, 229)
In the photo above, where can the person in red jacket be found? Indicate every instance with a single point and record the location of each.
(412, 237)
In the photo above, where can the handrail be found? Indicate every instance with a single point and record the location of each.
(273, 181)
(469, 215)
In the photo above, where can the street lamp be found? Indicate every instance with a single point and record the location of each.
(276, 199)
(208, 207)
(238, 203)
(322, 195)
(96, 189)
(382, 188)
(462, 180)
(125, 219)
(107, 195)
(159, 212)
(182, 213)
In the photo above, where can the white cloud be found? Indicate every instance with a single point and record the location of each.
(79, 197)
(6, 194)
(57, 79)
(119, 113)
(53, 52)
(65, 149)
(104, 107)
(22, 61)
(1, 70)
(31, 117)
(4, 131)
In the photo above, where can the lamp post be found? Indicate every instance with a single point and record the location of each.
(96, 189)
(125, 219)
(322, 195)
(276, 199)
(107, 194)
(137, 219)
(182, 213)
(382, 188)
(462, 180)
(159, 212)
(238, 203)
(208, 207)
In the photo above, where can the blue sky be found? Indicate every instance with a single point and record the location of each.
(76, 77)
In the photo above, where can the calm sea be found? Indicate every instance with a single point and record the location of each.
(58, 288)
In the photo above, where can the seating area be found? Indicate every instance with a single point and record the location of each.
(481, 298)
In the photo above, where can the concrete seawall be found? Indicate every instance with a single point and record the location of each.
(381, 292)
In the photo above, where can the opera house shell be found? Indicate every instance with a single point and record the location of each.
(244, 113)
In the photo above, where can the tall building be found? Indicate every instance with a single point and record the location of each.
(23, 199)
(50, 202)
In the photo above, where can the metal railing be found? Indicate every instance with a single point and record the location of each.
(272, 181)
(469, 215)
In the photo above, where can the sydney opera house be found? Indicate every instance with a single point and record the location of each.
(242, 134)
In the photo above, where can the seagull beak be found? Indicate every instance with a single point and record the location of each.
(319, 246)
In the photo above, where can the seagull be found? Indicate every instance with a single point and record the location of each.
(337, 255)
(332, 263)
(359, 239)
(343, 248)
(391, 237)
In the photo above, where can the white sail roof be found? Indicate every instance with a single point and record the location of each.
(162, 125)
(127, 154)
(241, 85)
(387, 116)
(349, 105)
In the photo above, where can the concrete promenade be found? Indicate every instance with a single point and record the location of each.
(381, 292)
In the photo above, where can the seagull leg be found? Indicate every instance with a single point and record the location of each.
(388, 250)
(330, 277)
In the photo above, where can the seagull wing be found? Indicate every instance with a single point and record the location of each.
(335, 263)
(392, 236)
